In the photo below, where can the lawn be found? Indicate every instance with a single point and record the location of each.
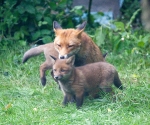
(23, 100)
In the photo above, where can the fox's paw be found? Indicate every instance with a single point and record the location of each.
(43, 81)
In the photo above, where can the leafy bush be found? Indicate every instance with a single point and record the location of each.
(128, 8)
(123, 38)
(32, 20)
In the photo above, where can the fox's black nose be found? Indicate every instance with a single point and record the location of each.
(56, 77)
(62, 57)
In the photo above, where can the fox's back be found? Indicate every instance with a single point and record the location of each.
(95, 73)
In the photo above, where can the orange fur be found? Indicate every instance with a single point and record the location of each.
(67, 42)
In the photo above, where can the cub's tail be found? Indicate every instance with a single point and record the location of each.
(117, 82)
(33, 52)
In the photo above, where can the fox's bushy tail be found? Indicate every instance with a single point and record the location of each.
(117, 82)
(33, 52)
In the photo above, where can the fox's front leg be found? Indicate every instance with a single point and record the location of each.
(43, 68)
(79, 99)
(68, 98)
(65, 101)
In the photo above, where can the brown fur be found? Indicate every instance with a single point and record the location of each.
(67, 42)
(90, 78)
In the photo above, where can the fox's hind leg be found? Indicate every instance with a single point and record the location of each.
(94, 93)
(43, 68)
(106, 88)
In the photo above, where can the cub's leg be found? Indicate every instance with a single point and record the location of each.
(68, 98)
(106, 87)
(79, 98)
(94, 93)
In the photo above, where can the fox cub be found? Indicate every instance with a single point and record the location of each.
(90, 78)
(67, 42)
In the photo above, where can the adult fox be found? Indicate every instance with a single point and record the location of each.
(67, 42)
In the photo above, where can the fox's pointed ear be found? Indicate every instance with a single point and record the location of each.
(56, 26)
(71, 60)
(81, 28)
(53, 58)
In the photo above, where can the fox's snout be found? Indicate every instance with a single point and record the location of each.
(63, 57)
(57, 77)
(66, 56)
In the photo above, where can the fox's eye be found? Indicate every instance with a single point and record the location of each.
(59, 45)
(54, 70)
(62, 70)
(70, 46)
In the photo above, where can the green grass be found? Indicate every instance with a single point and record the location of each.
(23, 100)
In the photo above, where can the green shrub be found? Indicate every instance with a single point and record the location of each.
(123, 37)
(128, 8)
(31, 20)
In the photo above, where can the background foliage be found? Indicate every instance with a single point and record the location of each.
(31, 20)
(128, 8)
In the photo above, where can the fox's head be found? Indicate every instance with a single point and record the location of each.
(62, 68)
(67, 41)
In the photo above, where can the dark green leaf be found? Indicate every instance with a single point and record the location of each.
(47, 39)
(36, 35)
(21, 9)
(39, 16)
(53, 5)
(30, 9)
(48, 19)
(63, 3)
(45, 32)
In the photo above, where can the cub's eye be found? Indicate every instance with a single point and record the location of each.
(70, 46)
(54, 70)
(59, 45)
(62, 70)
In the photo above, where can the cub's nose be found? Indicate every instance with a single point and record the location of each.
(56, 77)
(62, 57)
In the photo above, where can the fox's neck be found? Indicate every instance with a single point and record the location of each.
(86, 43)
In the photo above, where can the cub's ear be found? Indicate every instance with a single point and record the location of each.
(71, 60)
(81, 28)
(53, 58)
(56, 26)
